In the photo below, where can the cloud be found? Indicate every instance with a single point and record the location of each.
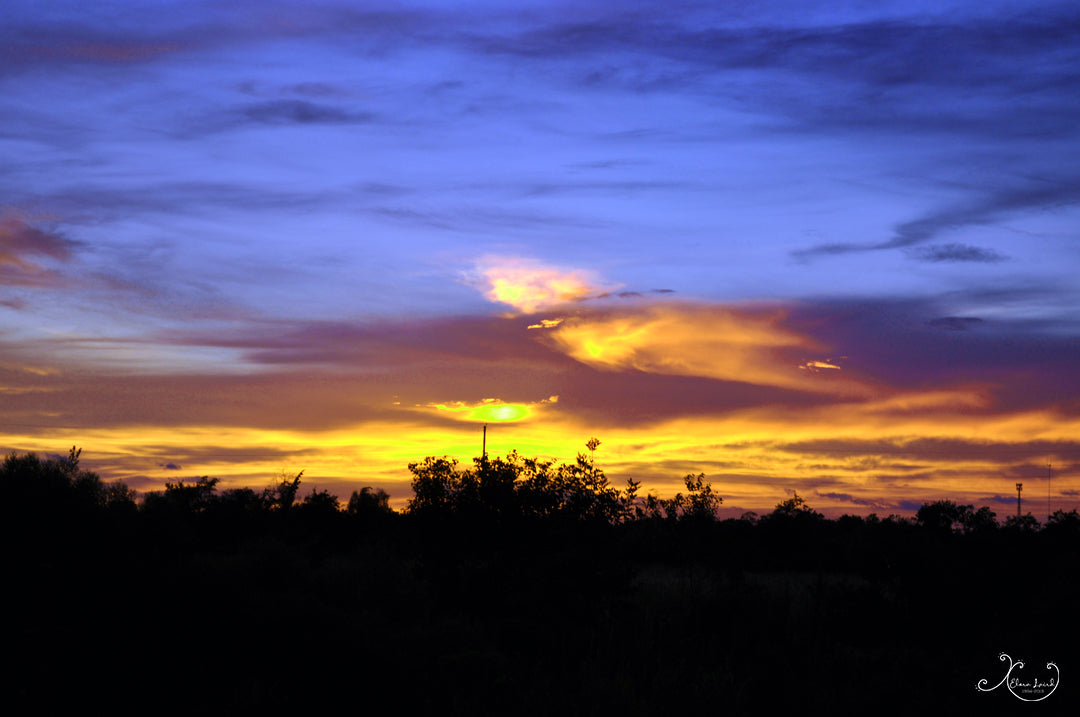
(876, 504)
(939, 449)
(902, 344)
(984, 207)
(545, 324)
(19, 241)
(815, 366)
(529, 286)
(998, 499)
(302, 112)
(33, 44)
(748, 345)
(958, 252)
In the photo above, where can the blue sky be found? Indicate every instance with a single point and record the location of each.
(280, 188)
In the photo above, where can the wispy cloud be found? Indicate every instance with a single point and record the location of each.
(23, 246)
(985, 207)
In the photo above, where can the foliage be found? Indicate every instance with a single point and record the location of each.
(1025, 524)
(699, 504)
(32, 486)
(369, 502)
(320, 502)
(945, 516)
(282, 494)
(794, 508)
(515, 488)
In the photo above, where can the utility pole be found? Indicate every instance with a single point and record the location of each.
(1048, 493)
(483, 446)
(1019, 487)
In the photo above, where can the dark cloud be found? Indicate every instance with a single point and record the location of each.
(958, 252)
(90, 204)
(23, 246)
(19, 239)
(865, 502)
(617, 188)
(283, 112)
(315, 89)
(985, 208)
(900, 343)
(480, 218)
(936, 450)
(997, 499)
(900, 73)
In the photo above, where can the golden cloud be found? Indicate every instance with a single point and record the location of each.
(529, 286)
(748, 345)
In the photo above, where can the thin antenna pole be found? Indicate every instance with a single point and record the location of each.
(1019, 487)
(483, 448)
(1048, 465)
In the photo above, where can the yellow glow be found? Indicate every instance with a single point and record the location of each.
(492, 410)
(500, 413)
(750, 456)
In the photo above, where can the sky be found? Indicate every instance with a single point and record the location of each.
(823, 247)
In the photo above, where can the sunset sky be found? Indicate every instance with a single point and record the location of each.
(826, 247)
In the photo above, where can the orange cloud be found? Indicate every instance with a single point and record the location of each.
(745, 345)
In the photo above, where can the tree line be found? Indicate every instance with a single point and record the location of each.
(493, 489)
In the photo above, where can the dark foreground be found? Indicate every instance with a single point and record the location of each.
(221, 608)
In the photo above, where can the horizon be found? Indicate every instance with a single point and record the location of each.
(827, 249)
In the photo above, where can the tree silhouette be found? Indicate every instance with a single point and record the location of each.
(514, 487)
(369, 502)
(943, 516)
(32, 486)
(1023, 524)
(794, 508)
(282, 494)
(320, 502)
(1064, 523)
(699, 504)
